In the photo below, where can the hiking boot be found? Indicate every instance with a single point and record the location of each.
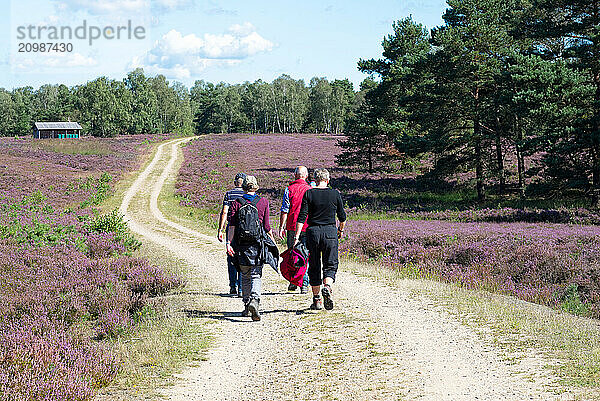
(245, 312)
(232, 291)
(253, 309)
(292, 287)
(327, 297)
(317, 303)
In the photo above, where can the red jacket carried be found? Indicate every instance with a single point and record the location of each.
(296, 192)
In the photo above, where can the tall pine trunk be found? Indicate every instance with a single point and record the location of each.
(520, 161)
(500, 156)
(596, 116)
(478, 157)
(479, 162)
(596, 144)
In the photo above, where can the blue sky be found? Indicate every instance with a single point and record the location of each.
(186, 40)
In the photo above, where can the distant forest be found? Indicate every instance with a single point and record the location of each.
(140, 104)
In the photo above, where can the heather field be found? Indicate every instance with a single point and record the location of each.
(63, 170)
(420, 227)
(68, 281)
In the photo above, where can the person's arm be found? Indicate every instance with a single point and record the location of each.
(341, 214)
(222, 221)
(299, 227)
(282, 223)
(266, 221)
(285, 209)
(230, 234)
(223, 217)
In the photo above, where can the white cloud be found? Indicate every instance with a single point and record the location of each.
(180, 71)
(103, 7)
(55, 60)
(121, 7)
(70, 60)
(242, 29)
(24, 64)
(172, 4)
(217, 10)
(179, 56)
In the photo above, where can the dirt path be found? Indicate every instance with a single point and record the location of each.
(378, 343)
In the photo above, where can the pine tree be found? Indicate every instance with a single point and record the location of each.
(570, 30)
(473, 48)
(362, 145)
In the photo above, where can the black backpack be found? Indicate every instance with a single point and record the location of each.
(248, 229)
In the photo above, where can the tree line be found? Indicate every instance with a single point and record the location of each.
(104, 107)
(140, 104)
(498, 82)
(285, 105)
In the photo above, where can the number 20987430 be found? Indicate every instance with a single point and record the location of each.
(27, 47)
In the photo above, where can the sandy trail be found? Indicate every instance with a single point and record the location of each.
(378, 343)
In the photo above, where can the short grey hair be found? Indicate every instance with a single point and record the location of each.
(301, 171)
(321, 174)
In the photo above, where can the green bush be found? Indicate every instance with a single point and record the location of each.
(113, 222)
(572, 302)
(100, 187)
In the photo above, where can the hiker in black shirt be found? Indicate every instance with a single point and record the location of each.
(322, 204)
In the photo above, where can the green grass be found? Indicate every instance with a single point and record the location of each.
(75, 146)
(572, 303)
(386, 204)
(453, 201)
(202, 220)
(515, 202)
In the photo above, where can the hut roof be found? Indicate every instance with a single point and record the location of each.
(57, 125)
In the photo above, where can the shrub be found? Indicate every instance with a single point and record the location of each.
(113, 223)
(533, 262)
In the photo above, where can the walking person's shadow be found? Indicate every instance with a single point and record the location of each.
(228, 295)
(235, 317)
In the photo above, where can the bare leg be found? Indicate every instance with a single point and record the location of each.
(316, 289)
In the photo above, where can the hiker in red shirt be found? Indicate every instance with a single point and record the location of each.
(290, 209)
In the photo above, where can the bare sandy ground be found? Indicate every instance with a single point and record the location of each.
(379, 343)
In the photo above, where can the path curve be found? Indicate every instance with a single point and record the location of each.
(378, 344)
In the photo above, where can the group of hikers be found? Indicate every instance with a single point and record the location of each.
(307, 217)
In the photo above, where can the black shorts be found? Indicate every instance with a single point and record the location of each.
(322, 243)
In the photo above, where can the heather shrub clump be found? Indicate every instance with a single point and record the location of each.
(68, 172)
(64, 298)
(212, 162)
(561, 215)
(68, 280)
(51, 365)
(551, 264)
(113, 229)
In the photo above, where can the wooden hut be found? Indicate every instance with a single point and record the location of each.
(60, 130)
